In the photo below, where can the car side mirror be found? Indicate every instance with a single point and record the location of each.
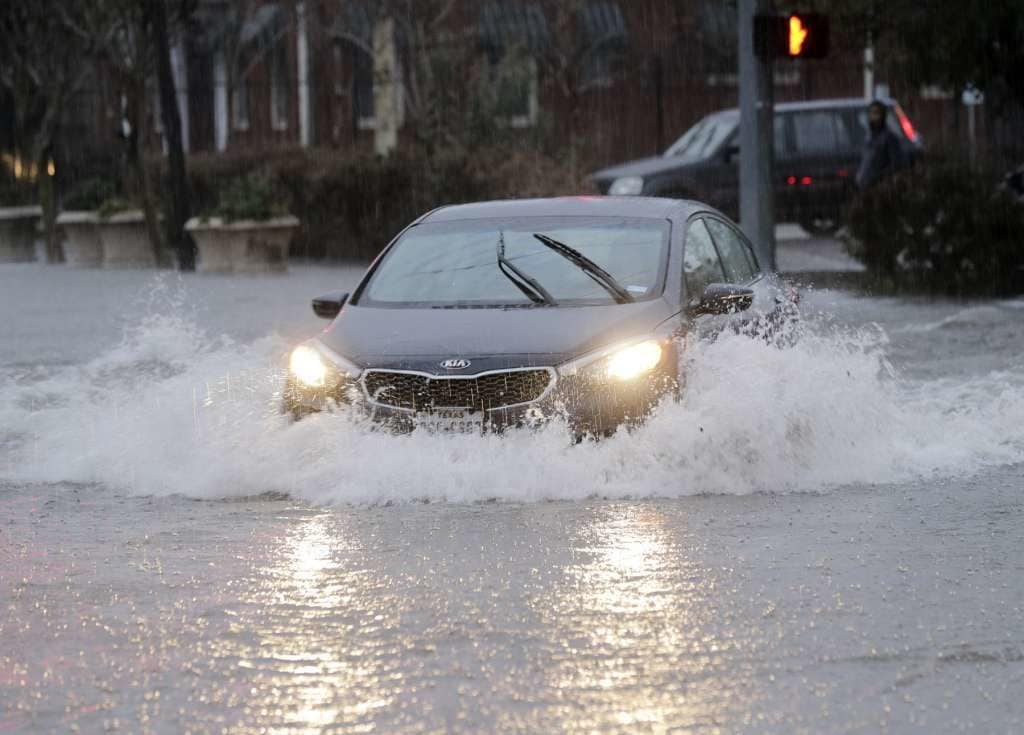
(723, 298)
(329, 305)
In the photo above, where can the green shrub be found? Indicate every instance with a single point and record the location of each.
(249, 197)
(89, 194)
(351, 203)
(114, 205)
(941, 228)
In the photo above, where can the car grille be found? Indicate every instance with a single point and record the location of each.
(417, 392)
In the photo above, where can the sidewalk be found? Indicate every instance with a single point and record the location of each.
(820, 261)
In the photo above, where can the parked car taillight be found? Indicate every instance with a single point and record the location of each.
(905, 124)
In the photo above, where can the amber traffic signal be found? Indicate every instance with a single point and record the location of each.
(792, 36)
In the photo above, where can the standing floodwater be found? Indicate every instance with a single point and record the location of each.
(821, 538)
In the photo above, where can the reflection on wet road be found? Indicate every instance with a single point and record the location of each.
(840, 612)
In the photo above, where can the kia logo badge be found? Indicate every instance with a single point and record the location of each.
(456, 363)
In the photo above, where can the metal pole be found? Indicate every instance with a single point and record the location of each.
(972, 135)
(757, 200)
(869, 70)
(302, 56)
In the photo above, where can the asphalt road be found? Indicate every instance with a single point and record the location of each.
(820, 539)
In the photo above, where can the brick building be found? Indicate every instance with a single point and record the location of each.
(611, 79)
(624, 76)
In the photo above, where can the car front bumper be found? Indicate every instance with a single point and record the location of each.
(587, 406)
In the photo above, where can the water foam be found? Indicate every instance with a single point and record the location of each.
(173, 410)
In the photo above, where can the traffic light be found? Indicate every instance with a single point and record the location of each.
(791, 36)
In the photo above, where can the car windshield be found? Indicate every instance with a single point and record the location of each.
(704, 138)
(454, 264)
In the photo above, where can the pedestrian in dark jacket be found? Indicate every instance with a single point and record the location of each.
(882, 155)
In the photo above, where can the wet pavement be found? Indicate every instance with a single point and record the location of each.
(837, 551)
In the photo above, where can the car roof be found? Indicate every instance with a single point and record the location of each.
(578, 206)
(839, 103)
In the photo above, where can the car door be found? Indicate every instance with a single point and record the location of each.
(785, 173)
(818, 176)
(725, 193)
(723, 180)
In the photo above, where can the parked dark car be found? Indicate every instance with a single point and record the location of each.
(482, 316)
(817, 150)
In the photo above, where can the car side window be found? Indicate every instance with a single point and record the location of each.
(857, 129)
(781, 142)
(701, 265)
(814, 132)
(844, 137)
(735, 258)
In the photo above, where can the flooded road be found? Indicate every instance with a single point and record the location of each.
(822, 539)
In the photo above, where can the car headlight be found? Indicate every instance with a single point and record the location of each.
(627, 186)
(314, 365)
(621, 363)
(308, 367)
(634, 361)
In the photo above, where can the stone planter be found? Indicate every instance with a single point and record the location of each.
(246, 246)
(18, 233)
(82, 245)
(125, 241)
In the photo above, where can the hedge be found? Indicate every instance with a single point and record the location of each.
(941, 228)
(351, 204)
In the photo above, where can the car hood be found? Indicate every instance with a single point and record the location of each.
(418, 339)
(643, 167)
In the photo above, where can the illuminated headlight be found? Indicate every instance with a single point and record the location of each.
(634, 361)
(618, 363)
(627, 186)
(308, 366)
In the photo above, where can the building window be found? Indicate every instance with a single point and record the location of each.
(279, 87)
(605, 38)
(363, 90)
(514, 85)
(240, 104)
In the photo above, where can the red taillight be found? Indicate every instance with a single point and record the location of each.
(806, 181)
(791, 181)
(905, 125)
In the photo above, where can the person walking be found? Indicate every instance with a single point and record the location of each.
(882, 155)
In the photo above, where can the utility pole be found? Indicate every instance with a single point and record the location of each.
(757, 200)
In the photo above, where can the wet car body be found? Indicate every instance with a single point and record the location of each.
(817, 145)
(467, 367)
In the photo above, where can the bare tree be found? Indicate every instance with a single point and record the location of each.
(119, 33)
(43, 62)
(179, 209)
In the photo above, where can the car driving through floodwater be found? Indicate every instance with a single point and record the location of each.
(479, 317)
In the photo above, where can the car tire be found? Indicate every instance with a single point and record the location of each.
(821, 226)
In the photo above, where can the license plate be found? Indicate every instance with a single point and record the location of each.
(451, 421)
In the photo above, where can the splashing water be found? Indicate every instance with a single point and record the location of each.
(172, 410)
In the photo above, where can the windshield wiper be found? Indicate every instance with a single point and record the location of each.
(602, 277)
(529, 286)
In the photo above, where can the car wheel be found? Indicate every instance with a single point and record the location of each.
(820, 226)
